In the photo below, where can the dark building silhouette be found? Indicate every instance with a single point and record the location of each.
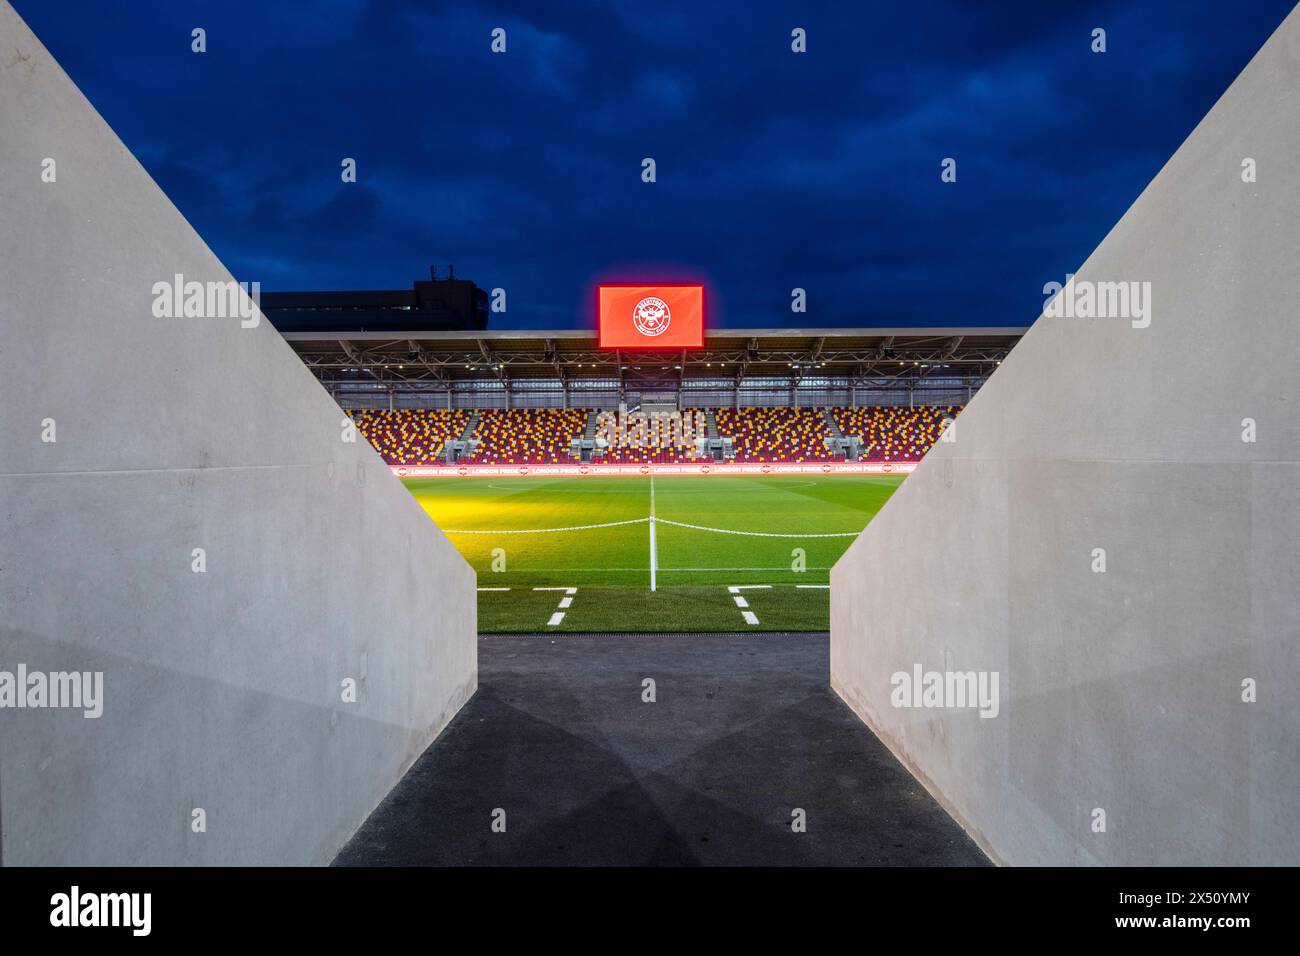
(432, 305)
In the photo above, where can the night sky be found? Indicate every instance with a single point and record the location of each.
(775, 169)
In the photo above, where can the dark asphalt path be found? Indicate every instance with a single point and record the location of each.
(745, 729)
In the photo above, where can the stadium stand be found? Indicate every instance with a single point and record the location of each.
(675, 455)
(526, 436)
(410, 437)
(776, 434)
(894, 433)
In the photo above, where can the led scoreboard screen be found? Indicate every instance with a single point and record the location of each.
(651, 316)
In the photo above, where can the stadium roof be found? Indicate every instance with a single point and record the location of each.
(441, 358)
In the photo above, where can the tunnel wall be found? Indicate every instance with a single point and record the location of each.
(225, 736)
(1121, 690)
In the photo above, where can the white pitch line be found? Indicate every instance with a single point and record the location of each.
(494, 589)
(740, 601)
(737, 588)
(654, 548)
(783, 568)
(654, 557)
(820, 586)
(558, 616)
(750, 617)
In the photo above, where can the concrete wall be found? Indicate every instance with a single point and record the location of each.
(1120, 690)
(222, 689)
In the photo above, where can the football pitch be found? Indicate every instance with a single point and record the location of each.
(728, 554)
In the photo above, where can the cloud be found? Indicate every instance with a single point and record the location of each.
(775, 169)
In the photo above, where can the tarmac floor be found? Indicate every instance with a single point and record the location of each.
(560, 746)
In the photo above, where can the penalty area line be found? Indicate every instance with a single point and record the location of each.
(565, 602)
(734, 590)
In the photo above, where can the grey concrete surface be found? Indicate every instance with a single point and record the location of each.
(742, 731)
(1121, 691)
(223, 690)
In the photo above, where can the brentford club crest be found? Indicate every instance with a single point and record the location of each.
(651, 316)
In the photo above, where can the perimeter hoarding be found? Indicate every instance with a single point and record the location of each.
(651, 316)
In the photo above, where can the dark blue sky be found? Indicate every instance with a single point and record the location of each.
(775, 170)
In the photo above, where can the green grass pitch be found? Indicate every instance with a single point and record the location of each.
(610, 567)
